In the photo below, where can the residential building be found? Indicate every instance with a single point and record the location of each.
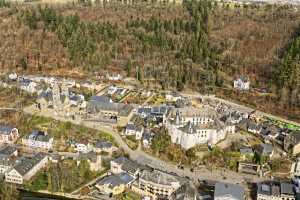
(157, 184)
(8, 155)
(226, 191)
(82, 146)
(132, 129)
(102, 145)
(275, 191)
(241, 83)
(147, 138)
(28, 86)
(292, 143)
(254, 128)
(173, 96)
(26, 168)
(8, 135)
(189, 191)
(123, 164)
(114, 184)
(38, 139)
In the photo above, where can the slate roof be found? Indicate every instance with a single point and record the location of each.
(158, 177)
(102, 144)
(287, 188)
(232, 191)
(92, 156)
(115, 180)
(5, 130)
(38, 136)
(128, 165)
(26, 164)
(7, 150)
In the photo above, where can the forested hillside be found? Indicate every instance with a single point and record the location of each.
(198, 45)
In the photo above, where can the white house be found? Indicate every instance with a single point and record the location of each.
(28, 86)
(26, 168)
(173, 96)
(38, 139)
(8, 134)
(114, 77)
(241, 83)
(132, 129)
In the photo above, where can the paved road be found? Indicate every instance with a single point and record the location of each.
(146, 159)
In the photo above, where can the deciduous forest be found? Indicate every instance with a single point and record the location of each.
(199, 45)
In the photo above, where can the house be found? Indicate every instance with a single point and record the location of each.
(7, 158)
(82, 146)
(157, 184)
(275, 190)
(6, 163)
(114, 184)
(92, 158)
(123, 164)
(242, 83)
(265, 150)
(9, 151)
(246, 152)
(173, 96)
(102, 145)
(295, 169)
(114, 77)
(28, 86)
(26, 168)
(132, 129)
(13, 77)
(254, 128)
(38, 139)
(225, 191)
(292, 143)
(147, 138)
(8, 135)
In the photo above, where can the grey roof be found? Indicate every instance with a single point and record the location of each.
(229, 190)
(254, 126)
(272, 188)
(38, 136)
(158, 177)
(25, 164)
(133, 127)
(287, 188)
(128, 165)
(144, 110)
(101, 144)
(6, 160)
(115, 180)
(100, 103)
(5, 130)
(8, 150)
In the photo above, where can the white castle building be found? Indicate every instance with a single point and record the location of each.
(192, 126)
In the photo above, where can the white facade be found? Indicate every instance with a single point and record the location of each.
(204, 128)
(15, 176)
(80, 147)
(38, 144)
(9, 136)
(241, 84)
